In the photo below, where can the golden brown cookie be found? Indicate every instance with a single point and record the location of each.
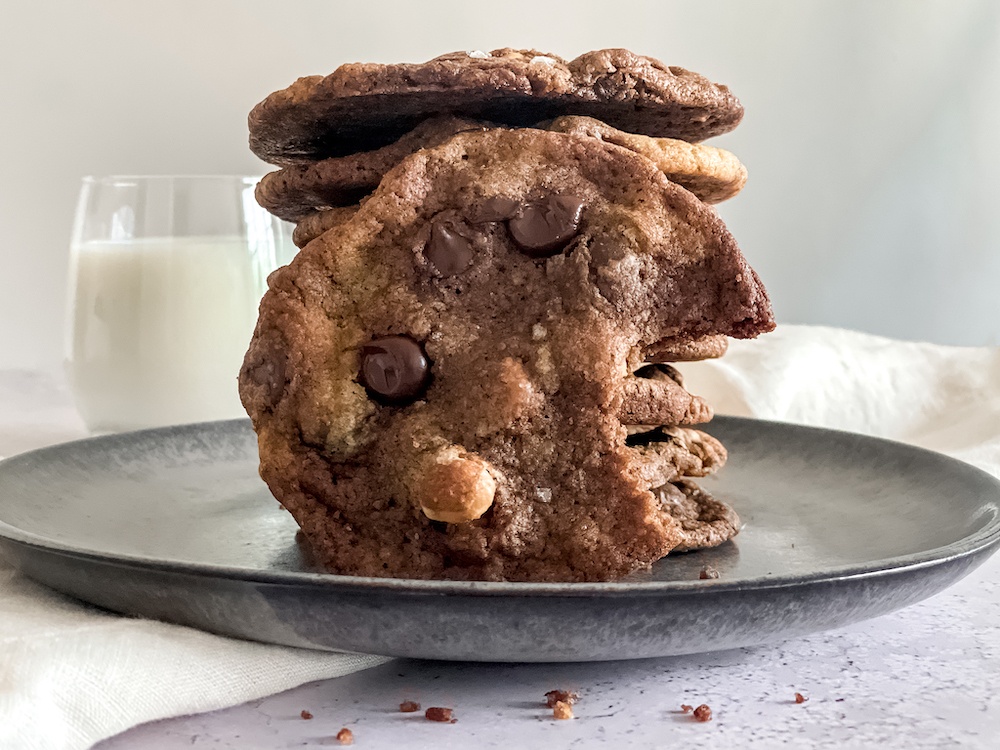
(438, 382)
(312, 226)
(680, 350)
(712, 174)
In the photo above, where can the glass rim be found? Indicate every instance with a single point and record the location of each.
(115, 178)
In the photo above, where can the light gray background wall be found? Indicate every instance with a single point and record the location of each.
(870, 134)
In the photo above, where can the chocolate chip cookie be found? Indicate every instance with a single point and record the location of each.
(713, 174)
(301, 191)
(312, 226)
(452, 380)
(362, 106)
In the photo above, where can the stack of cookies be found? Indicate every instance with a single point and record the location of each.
(466, 372)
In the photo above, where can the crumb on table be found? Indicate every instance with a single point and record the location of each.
(565, 696)
(345, 736)
(708, 572)
(703, 713)
(562, 710)
(305, 714)
(409, 707)
(436, 713)
(686, 708)
(799, 698)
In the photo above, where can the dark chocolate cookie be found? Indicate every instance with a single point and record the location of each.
(442, 384)
(364, 106)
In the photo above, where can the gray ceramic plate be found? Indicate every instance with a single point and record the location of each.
(175, 524)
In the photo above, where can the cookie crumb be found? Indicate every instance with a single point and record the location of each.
(436, 713)
(560, 696)
(562, 710)
(702, 713)
(345, 736)
(409, 707)
(305, 714)
(799, 698)
(686, 708)
(708, 572)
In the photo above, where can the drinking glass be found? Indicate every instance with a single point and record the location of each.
(166, 273)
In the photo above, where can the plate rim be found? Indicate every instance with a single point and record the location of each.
(979, 541)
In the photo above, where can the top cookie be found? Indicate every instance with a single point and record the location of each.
(364, 106)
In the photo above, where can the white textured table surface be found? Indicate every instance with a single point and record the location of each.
(925, 677)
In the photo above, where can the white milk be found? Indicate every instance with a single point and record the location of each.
(160, 327)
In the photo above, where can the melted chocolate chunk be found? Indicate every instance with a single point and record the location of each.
(544, 227)
(448, 251)
(394, 369)
(497, 208)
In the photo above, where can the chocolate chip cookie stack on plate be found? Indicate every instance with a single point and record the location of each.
(465, 373)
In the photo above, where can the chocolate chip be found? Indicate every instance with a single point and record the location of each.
(394, 369)
(269, 377)
(265, 367)
(448, 251)
(544, 227)
(497, 208)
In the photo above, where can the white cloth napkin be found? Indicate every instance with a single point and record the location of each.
(939, 397)
(71, 675)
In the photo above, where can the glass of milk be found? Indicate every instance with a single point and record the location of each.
(166, 273)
